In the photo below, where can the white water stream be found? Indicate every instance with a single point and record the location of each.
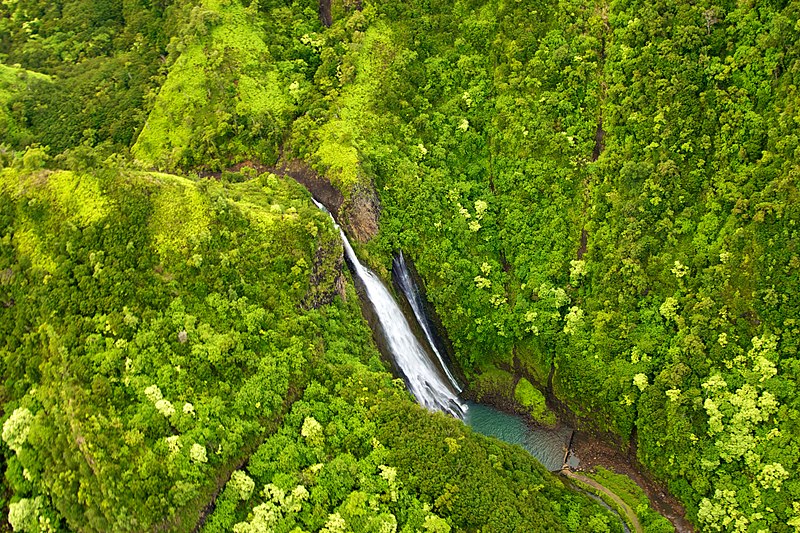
(426, 382)
(414, 298)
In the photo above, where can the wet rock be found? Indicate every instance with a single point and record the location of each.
(319, 187)
(358, 213)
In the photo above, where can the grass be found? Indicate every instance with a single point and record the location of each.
(221, 92)
(339, 139)
(181, 219)
(78, 199)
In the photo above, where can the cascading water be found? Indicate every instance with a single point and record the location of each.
(423, 379)
(412, 294)
(547, 445)
(432, 384)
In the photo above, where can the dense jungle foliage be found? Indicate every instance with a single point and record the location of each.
(600, 196)
(157, 330)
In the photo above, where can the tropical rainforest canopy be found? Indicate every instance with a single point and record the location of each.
(600, 196)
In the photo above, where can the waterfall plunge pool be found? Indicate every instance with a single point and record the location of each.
(549, 446)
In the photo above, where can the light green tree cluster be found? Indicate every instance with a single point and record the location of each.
(312, 431)
(242, 484)
(278, 506)
(741, 422)
(32, 515)
(17, 427)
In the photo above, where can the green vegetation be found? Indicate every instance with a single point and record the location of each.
(103, 59)
(154, 338)
(636, 129)
(341, 461)
(625, 512)
(226, 98)
(14, 81)
(147, 350)
(493, 380)
(533, 401)
(634, 496)
(600, 197)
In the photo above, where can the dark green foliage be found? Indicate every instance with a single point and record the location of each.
(605, 194)
(13, 82)
(104, 59)
(100, 100)
(475, 481)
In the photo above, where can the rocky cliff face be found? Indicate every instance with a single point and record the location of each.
(319, 187)
(358, 213)
(327, 275)
(361, 212)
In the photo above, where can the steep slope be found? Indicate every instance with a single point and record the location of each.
(14, 81)
(233, 89)
(151, 334)
(600, 198)
(156, 329)
(103, 59)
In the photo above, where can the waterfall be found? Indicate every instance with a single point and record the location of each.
(414, 298)
(421, 375)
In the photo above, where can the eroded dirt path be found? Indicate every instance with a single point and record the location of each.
(593, 451)
(632, 518)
